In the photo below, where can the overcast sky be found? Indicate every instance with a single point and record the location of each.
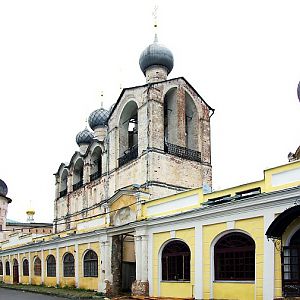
(243, 57)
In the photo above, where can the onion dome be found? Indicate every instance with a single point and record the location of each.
(98, 118)
(156, 54)
(3, 188)
(84, 137)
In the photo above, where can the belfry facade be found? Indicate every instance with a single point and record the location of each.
(156, 137)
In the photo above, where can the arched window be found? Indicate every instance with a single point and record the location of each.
(37, 267)
(90, 264)
(96, 164)
(128, 133)
(69, 270)
(25, 267)
(78, 174)
(7, 268)
(234, 257)
(51, 266)
(1, 268)
(63, 189)
(175, 261)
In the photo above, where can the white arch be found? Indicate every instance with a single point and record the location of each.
(212, 256)
(289, 237)
(159, 275)
(82, 260)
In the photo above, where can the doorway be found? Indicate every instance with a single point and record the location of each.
(15, 271)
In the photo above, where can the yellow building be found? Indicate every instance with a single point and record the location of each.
(189, 245)
(130, 214)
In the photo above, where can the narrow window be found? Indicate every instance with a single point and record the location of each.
(37, 267)
(51, 266)
(69, 270)
(176, 258)
(25, 267)
(1, 268)
(234, 257)
(7, 268)
(90, 264)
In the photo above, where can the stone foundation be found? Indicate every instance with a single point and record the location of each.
(140, 288)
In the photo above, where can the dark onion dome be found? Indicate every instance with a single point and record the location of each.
(84, 137)
(98, 118)
(3, 188)
(156, 54)
(298, 91)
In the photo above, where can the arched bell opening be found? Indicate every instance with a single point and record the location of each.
(128, 133)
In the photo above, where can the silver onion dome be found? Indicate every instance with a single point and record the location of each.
(156, 54)
(3, 188)
(84, 137)
(98, 118)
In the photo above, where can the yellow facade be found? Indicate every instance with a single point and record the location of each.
(90, 283)
(205, 236)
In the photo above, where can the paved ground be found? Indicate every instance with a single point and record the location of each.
(7, 294)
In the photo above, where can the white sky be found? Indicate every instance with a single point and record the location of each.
(243, 57)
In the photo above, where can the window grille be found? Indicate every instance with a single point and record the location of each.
(176, 258)
(90, 264)
(234, 257)
(7, 269)
(25, 267)
(1, 268)
(78, 185)
(69, 270)
(182, 152)
(37, 267)
(129, 155)
(63, 193)
(51, 266)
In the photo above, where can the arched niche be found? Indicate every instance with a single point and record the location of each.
(96, 163)
(128, 133)
(170, 116)
(63, 183)
(78, 174)
(191, 124)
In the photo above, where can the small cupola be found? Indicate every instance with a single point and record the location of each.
(156, 62)
(3, 188)
(98, 122)
(84, 138)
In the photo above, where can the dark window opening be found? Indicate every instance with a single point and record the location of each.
(234, 257)
(37, 267)
(25, 267)
(69, 270)
(1, 268)
(90, 264)
(290, 260)
(7, 269)
(176, 258)
(51, 266)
